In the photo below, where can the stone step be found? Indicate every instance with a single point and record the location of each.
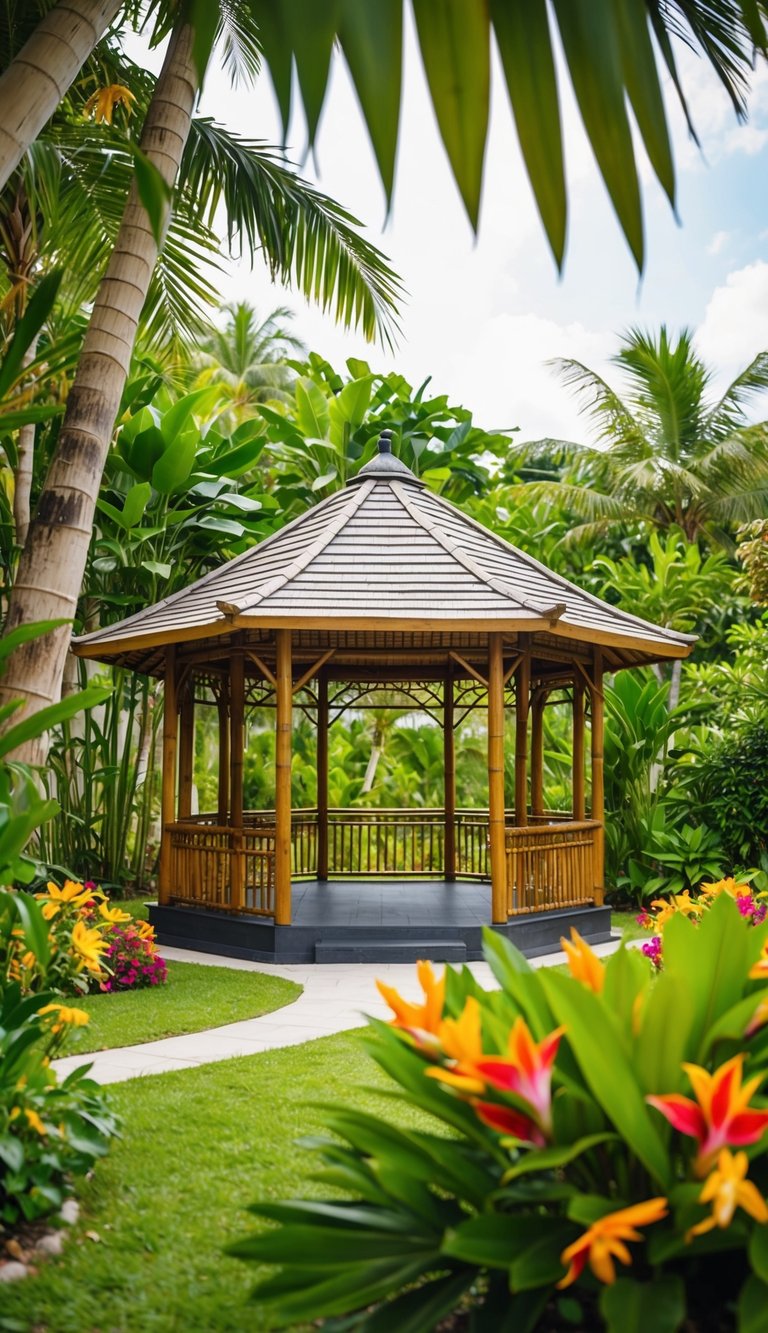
(342, 950)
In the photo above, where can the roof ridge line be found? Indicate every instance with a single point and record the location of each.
(453, 548)
(301, 561)
(206, 578)
(674, 635)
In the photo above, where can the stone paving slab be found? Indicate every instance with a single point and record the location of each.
(336, 997)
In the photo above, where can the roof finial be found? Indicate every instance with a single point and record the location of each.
(385, 442)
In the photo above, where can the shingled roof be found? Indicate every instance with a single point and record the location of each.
(384, 553)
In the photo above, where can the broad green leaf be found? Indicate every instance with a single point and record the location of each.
(204, 18)
(712, 960)
(312, 410)
(177, 417)
(523, 37)
(25, 634)
(454, 38)
(538, 1264)
(276, 48)
(312, 30)
(174, 466)
(492, 1240)
(753, 1303)
(302, 1295)
(153, 190)
(142, 453)
(590, 38)
(638, 1307)
(422, 1308)
(642, 80)
(758, 1251)
(627, 974)
(235, 462)
(664, 1039)
(159, 567)
(34, 926)
(371, 36)
(45, 718)
(26, 330)
(607, 1068)
(548, 1159)
(136, 502)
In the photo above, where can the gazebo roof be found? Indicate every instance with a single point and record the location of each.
(384, 554)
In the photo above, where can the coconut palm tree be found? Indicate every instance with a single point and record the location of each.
(668, 452)
(248, 357)
(320, 250)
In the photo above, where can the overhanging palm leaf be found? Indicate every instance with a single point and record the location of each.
(304, 236)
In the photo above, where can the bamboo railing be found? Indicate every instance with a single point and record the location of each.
(550, 862)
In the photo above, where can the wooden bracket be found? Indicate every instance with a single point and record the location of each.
(591, 686)
(472, 671)
(510, 671)
(313, 670)
(263, 668)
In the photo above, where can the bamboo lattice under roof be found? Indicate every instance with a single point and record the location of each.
(383, 567)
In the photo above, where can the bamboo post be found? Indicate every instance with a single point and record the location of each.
(236, 747)
(496, 804)
(538, 703)
(322, 776)
(223, 710)
(186, 750)
(522, 692)
(598, 785)
(449, 780)
(578, 803)
(168, 797)
(284, 718)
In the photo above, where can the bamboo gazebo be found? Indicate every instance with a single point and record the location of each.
(382, 586)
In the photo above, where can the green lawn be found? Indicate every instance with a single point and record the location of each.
(626, 922)
(198, 1145)
(195, 997)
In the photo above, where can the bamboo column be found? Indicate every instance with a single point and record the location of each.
(236, 747)
(168, 797)
(496, 804)
(322, 776)
(538, 703)
(522, 693)
(186, 750)
(449, 780)
(284, 718)
(598, 785)
(578, 803)
(223, 710)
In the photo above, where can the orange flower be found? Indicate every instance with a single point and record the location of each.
(727, 1189)
(101, 104)
(605, 1241)
(418, 1019)
(728, 886)
(583, 962)
(721, 1114)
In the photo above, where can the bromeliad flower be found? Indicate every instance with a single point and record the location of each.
(727, 1189)
(583, 962)
(419, 1019)
(720, 1116)
(526, 1073)
(605, 1241)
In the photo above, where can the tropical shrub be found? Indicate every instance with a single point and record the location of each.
(579, 1159)
(732, 792)
(751, 906)
(49, 1130)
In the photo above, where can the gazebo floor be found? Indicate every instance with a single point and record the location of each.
(374, 921)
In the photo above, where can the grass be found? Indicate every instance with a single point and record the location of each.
(198, 1146)
(195, 997)
(626, 922)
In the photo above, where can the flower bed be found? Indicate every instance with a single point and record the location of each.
(751, 906)
(599, 1159)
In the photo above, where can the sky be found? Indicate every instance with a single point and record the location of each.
(485, 314)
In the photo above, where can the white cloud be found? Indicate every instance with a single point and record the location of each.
(735, 325)
(718, 241)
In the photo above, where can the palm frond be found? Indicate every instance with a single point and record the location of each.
(668, 383)
(729, 412)
(305, 237)
(599, 401)
(238, 41)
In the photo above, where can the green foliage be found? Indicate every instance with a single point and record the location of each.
(731, 792)
(530, 1185)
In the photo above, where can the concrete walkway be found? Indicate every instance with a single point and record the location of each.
(336, 997)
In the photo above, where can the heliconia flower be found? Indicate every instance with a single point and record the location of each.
(727, 1189)
(721, 1115)
(88, 944)
(527, 1073)
(605, 1240)
(418, 1018)
(462, 1038)
(584, 964)
(758, 1019)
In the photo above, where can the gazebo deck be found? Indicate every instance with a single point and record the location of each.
(372, 921)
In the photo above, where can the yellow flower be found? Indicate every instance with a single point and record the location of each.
(28, 959)
(88, 943)
(101, 104)
(583, 962)
(145, 931)
(66, 1014)
(35, 1120)
(113, 914)
(728, 886)
(418, 1019)
(727, 1189)
(604, 1241)
(56, 898)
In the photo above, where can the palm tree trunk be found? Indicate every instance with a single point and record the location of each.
(35, 82)
(52, 563)
(22, 489)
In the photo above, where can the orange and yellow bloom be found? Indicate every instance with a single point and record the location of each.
(606, 1240)
(727, 1189)
(721, 1115)
(89, 944)
(584, 964)
(420, 1020)
(66, 1016)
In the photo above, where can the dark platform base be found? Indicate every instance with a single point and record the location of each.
(374, 923)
